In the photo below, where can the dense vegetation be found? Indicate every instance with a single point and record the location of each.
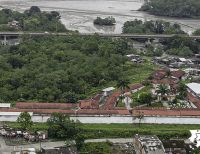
(31, 20)
(196, 32)
(61, 69)
(109, 21)
(97, 148)
(182, 46)
(173, 8)
(151, 27)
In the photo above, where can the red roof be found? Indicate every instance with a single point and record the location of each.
(169, 81)
(111, 101)
(166, 112)
(159, 74)
(23, 105)
(97, 97)
(178, 73)
(136, 86)
(39, 111)
(193, 99)
(89, 104)
(71, 112)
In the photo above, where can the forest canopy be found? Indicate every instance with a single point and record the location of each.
(30, 20)
(59, 69)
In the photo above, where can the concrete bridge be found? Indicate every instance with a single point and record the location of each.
(5, 36)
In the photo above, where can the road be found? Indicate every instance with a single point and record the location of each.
(4, 149)
(136, 36)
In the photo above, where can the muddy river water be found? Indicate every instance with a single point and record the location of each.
(79, 14)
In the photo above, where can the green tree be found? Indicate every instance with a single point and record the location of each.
(145, 98)
(60, 126)
(123, 84)
(182, 89)
(173, 8)
(79, 139)
(109, 21)
(25, 121)
(162, 90)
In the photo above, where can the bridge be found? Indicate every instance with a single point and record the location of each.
(6, 35)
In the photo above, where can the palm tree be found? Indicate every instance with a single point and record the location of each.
(162, 90)
(182, 89)
(168, 73)
(123, 84)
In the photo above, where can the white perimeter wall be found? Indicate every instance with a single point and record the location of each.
(114, 119)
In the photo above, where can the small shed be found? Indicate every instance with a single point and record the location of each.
(108, 91)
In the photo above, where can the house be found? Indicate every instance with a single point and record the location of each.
(183, 60)
(178, 74)
(148, 144)
(194, 89)
(135, 58)
(174, 146)
(108, 91)
(111, 101)
(192, 72)
(134, 88)
(14, 24)
(159, 74)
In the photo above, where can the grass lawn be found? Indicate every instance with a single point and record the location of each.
(96, 148)
(138, 72)
(120, 103)
(128, 130)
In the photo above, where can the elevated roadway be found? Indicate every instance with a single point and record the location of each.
(133, 36)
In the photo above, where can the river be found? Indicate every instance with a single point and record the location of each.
(79, 14)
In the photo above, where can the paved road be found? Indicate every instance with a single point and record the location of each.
(4, 149)
(116, 140)
(141, 36)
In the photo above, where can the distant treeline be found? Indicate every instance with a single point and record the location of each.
(151, 27)
(173, 8)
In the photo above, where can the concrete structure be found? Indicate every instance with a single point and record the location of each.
(106, 119)
(5, 105)
(194, 88)
(195, 137)
(148, 144)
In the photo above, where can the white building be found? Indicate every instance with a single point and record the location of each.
(5, 105)
(194, 88)
(108, 91)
